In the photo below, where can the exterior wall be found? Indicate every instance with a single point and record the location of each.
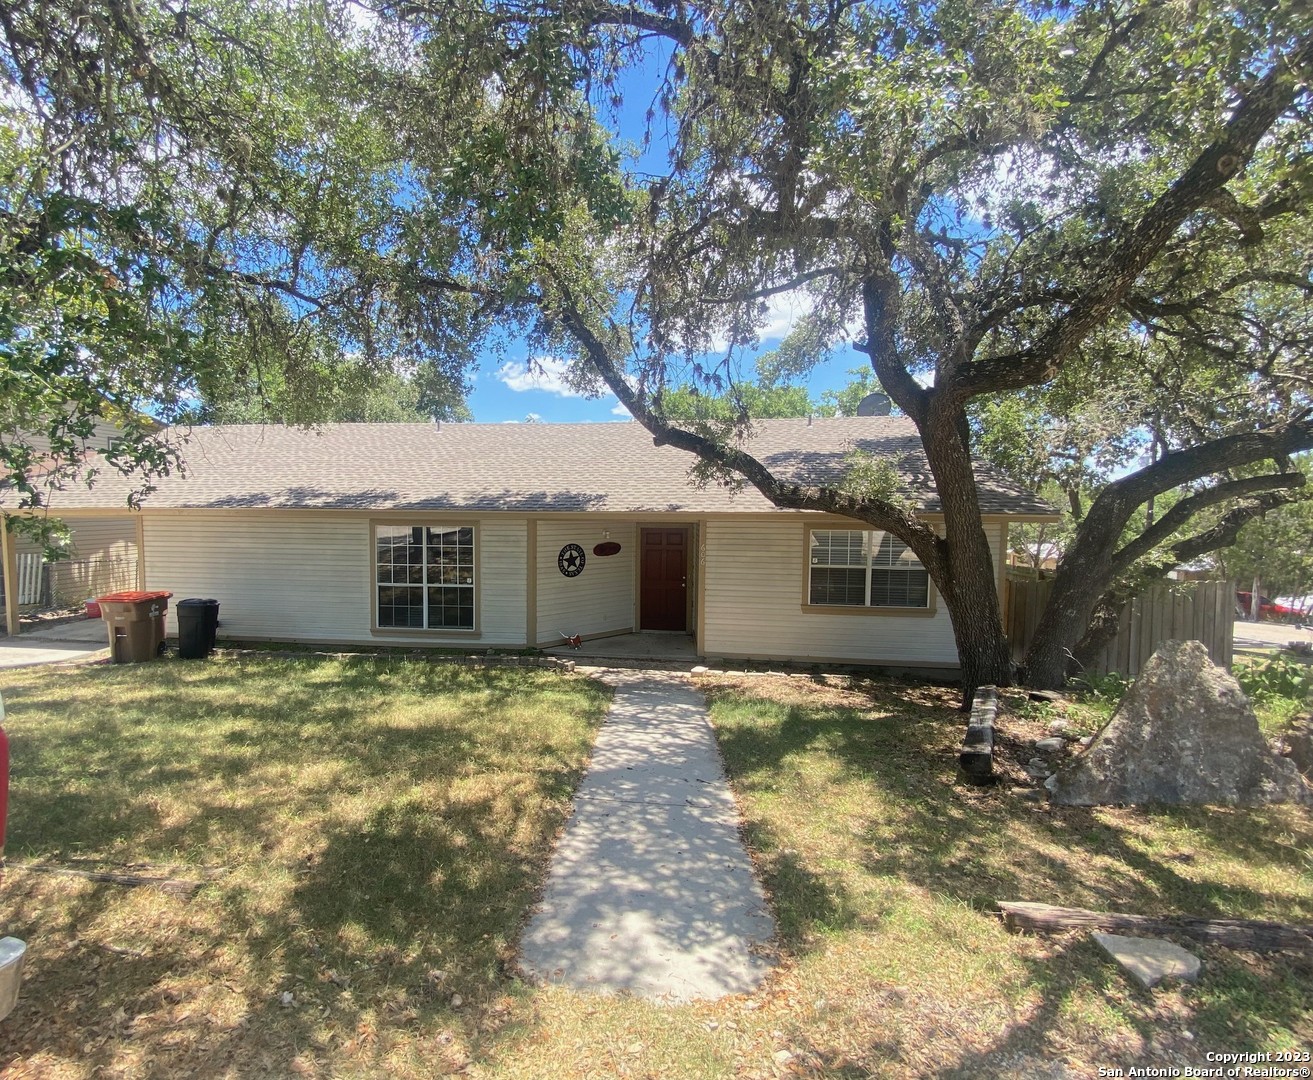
(101, 537)
(754, 572)
(307, 576)
(99, 438)
(601, 599)
(104, 559)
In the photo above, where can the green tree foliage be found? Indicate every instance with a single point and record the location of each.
(990, 199)
(1276, 549)
(757, 401)
(199, 206)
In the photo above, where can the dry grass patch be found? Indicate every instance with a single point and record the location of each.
(384, 826)
(884, 869)
(387, 824)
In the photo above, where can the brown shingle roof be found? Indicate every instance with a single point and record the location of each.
(605, 467)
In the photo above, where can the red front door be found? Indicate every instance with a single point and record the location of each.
(663, 580)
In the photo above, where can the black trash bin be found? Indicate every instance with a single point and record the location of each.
(198, 625)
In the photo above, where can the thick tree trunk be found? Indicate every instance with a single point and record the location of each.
(968, 584)
(1077, 588)
(1105, 624)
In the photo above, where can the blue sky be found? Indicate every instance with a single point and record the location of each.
(507, 389)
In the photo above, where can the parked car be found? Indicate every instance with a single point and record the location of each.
(1267, 607)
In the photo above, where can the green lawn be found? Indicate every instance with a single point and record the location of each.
(385, 824)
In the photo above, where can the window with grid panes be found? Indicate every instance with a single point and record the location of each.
(861, 568)
(425, 577)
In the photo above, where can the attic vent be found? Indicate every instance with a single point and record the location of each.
(874, 405)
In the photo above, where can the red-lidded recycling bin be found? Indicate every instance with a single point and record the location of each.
(135, 621)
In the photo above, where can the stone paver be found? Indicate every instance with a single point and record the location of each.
(651, 891)
(1149, 960)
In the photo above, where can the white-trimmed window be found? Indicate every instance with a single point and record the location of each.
(424, 576)
(864, 568)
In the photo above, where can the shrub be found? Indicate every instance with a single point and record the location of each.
(1275, 677)
(1105, 688)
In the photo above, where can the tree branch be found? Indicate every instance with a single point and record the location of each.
(1209, 173)
(1106, 617)
(917, 534)
(1185, 466)
(1177, 515)
(880, 299)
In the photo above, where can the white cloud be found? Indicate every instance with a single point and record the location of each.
(544, 373)
(620, 410)
(784, 311)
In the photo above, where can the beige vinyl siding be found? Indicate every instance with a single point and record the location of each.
(753, 594)
(103, 560)
(99, 439)
(598, 601)
(299, 576)
(93, 537)
(103, 536)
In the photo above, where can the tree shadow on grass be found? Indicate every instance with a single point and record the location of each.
(979, 846)
(300, 731)
(902, 816)
(437, 874)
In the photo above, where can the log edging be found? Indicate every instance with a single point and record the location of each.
(977, 754)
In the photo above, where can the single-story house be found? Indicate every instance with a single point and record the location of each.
(518, 535)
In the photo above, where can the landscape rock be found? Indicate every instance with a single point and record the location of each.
(1149, 960)
(1058, 725)
(1049, 746)
(1184, 733)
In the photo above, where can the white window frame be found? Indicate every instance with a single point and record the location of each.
(380, 529)
(871, 544)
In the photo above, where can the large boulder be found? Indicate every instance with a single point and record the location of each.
(1184, 733)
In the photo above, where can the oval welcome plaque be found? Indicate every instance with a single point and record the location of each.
(608, 548)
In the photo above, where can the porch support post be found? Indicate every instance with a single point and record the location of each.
(9, 551)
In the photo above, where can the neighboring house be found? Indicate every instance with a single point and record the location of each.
(483, 535)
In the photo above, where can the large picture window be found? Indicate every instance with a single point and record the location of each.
(861, 568)
(424, 576)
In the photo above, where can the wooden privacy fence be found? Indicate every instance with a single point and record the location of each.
(1203, 611)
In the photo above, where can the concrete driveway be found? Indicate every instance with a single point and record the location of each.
(1265, 636)
(81, 640)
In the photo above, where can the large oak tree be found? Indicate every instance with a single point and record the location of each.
(971, 193)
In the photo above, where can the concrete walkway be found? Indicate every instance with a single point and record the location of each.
(651, 891)
(78, 640)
